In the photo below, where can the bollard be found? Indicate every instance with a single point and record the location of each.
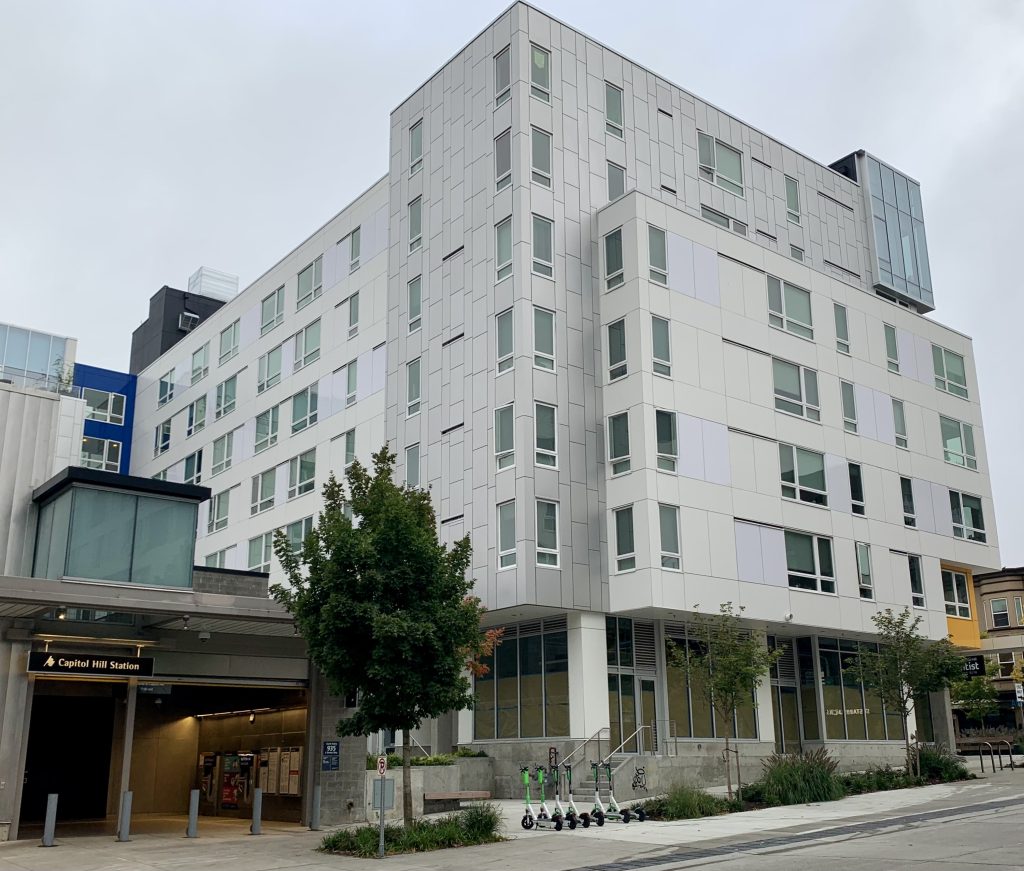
(192, 831)
(124, 817)
(50, 826)
(314, 811)
(256, 828)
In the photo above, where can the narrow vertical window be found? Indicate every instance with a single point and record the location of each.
(668, 517)
(540, 157)
(540, 73)
(354, 241)
(504, 436)
(657, 254)
(412, 465)
(792, 200)
(503, 249)
(194, 468)
(228, 342)
(625, 547)
(545, 432)
(856, 489)
(668, 446)
(503, 160)
(506, 535)
(617, 366)
(613, 268)
(547, 533)
(543, 339)
(504, 328)
(543, 246)
(842, 329)
(916, 580)
(661, 344)
(200, 363)
(867, 590)
(412, 392)
(613, 109)
(502, 76)
(271, 311)
(616, 181)
(353, 314)
(350, 447)
(907, 492)
(351, 382)
(415, 304)
(899, 419)
(849, 406)
(618, 443)
(416, 147)
(311, 284)
(892, 351)
(415, 223)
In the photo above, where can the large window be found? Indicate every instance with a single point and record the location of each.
(503, 160)
(103, 406)
(194, 468)
(657, 254)
(546, 434)
(720, 164)
(803, 475)
(954, 592)
(301, 474)
(307, 345)
(668, 443)
(304, 408)
(789, 308)
(220, 507)
(503, 249)
(102, 454)
(543, 246)
(852, 712)
(661, 346)
(229, 337)
(968, 521)
(311, 283)
(195, 418)
(613, 266)
(268, 369)
(525, 690)
(504, 436)
(625, 545)
(796, 389)
(668, 522)
(412, 387)
(223, 451)
(262, 497)
(613, 109)
(540, 157)
(540, 73)
(506, 535)
(618, 443)
(950, 374)
(271, 311)
(547, 533)
(227, 392)
(200, 363)
(505, 329)
(166, 393)
(415, 224)
(958, 442)
(266, 429)
(543, 338)
(809, 562)
(261, 550)
(617, 365)
(502, 76)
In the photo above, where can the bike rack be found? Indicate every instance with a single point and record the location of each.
(991, 756)
(1009, 753)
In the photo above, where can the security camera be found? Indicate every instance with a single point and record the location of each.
(204, 637)
(788, 617)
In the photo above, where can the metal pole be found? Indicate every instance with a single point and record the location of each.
(380, 846)
(257, 812)
(50, 826)
(124, 818)
(314, 811)
(193, 815)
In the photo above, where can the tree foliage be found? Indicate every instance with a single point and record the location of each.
(386, 609)
(977, 696)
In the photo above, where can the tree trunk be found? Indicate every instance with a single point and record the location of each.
(739, 776)
(406, 778)
(906, 745)
(728, 767)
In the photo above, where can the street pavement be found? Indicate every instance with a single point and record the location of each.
(973, 825)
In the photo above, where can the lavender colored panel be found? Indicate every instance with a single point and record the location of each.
(749, 565)
(773, 556)
(691, 446)
(716, 453)
(705, 274)
(680, 264)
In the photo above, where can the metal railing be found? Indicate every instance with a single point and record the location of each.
(659, 744)
(603, 733)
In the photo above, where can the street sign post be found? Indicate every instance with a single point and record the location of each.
(382, 770)
(1019, 687)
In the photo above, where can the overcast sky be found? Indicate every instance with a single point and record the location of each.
(141, 140)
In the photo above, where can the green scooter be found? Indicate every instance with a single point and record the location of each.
(573, 812)
(597, 814)
(540, 819)
(613, 811)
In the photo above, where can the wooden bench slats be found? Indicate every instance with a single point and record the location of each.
(455, 796)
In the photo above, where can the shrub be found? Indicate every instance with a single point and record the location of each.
(685, 802)
(469, 753)
(395, 760)
(938, 764)
(878, 780)
(800, 778)
(480, 824)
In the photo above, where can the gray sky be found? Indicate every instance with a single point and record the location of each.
(140, 140)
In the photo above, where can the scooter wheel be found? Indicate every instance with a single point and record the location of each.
(599, 816)
(572, 824)
(558, 824)
(526, 822)
(626, 816)
(641, 816)
(586, 820)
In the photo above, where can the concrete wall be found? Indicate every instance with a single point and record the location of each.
(165, 752)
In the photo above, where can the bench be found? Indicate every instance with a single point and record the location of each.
(438, 802)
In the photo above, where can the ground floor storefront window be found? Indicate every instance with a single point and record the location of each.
(852, 711)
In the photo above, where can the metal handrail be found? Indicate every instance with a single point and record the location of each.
(595, 737)
(636, 732)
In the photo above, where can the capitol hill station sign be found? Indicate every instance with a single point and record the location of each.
(89, 665)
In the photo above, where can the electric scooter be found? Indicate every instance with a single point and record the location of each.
(532, 818)
(555, 820)
(597, 814)
(614, 811)
(568, 817)
(573, 812)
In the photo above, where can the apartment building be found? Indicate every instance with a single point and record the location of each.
(651, 360)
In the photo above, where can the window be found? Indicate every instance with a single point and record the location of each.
(304, 408)
(228, 342)
(954, 591)
(268, 369)
(613, 109)
(618, 442)
(899, 423)
(504, 436)
(613, 268)
(194, 468)
(163, 439)
(226, 393)
(796, 389)
(803, 475)
(958, 442)
(849, 399)
(219, 506)
(218, 560)
(166, 389)
(540, 73)
(354, 240)
(1005, 663)
(662, 346)
(503, 160)
(200, 363)
(541, 157)
(809, 562)
(720, 163)
(907, 492)
(416, 147)
(502, 76)
(102, 454)
(1000, 613)
(506, 535)
(867, 590)
(415, 289)
(543, 246)
(266, 429)
(968, 521)
(916, 581)
(657, 255)
(796, 253)
(271, 311)
(195, 416)
(351, 382)
(789, 308)
(503, 249)
(616, 181)
(504, 328)
(311, 283)
(103, 406)
(892, 351)
(625, 548)
(543, 339)
(301, 472)
(223, 448)
(617, 365)
(715, 217)
(412, 465)
(547, 533)
(792, 200)
(415, 224)
(950, 374)
(299, 531)
(545, 432)
(412, 387)
(668, 520)
(262, 491)
(856, 489)
(668, 445)
(261, 549)
(350, 447)
(1018, 606)
(307, 345)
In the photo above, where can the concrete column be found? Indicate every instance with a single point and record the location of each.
(588, 674)
(16, 685)
(124, 783)
(763, 697)
(942, 719)
(314, 740)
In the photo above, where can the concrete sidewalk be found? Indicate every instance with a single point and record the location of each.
(652, 842)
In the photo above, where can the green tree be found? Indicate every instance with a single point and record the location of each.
(729, 661)
(906, 664)
(386, 609)
(977, 696)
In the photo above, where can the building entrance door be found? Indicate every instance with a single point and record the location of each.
(785, 701)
